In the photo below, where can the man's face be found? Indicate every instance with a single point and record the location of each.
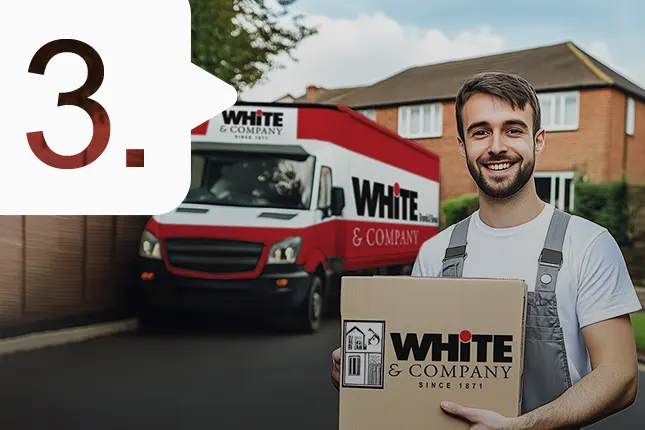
(499, 147)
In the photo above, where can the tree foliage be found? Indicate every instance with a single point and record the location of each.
(238, 40)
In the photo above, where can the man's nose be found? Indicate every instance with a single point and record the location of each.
(497, 143)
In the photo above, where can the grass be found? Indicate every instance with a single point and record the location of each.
(638, 322)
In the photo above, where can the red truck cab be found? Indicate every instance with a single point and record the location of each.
(284, 200)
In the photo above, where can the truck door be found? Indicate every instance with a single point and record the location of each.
(324, 194)
(326, 225)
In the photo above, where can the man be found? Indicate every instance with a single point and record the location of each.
(580, 363)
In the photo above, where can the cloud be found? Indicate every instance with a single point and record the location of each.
(603, 53)
(367, 49)
(371, 47)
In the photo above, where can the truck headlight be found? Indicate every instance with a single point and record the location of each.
(149, 246)
(285, 251)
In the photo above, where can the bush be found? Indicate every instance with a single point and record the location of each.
(605, 204)
(458, 208)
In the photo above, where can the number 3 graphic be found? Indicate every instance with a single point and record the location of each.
(80, 98)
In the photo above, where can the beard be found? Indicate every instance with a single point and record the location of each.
(502, 188)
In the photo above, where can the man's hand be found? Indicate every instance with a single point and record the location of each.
(610, 387)
(479, 419)
(335, 367)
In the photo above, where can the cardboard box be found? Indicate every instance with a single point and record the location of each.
(409, 343)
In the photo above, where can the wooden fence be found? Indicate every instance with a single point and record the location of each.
(57, 266)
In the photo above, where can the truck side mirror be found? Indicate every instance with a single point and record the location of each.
(337, 201)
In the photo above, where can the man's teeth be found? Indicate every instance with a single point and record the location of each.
(501, 166)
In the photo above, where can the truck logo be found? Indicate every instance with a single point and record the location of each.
(401, 203)
(257, 118)
(256, 125)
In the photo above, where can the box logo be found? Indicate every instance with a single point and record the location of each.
(439, 359)
(363, 354)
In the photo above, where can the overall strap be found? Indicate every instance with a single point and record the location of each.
(453, 263)
(551, 259)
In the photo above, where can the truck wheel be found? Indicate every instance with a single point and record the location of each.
(309, 315)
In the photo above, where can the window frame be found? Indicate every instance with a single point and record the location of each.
(630, 119)
(563, 175)
(325, 209)
(403, 130)
(554, 98)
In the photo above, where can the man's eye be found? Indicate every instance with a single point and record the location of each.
(515, 130)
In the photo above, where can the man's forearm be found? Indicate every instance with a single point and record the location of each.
(599, 394)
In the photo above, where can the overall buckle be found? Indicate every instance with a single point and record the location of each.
(551, 258)
(455, 252)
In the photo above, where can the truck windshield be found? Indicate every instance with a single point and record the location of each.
(242, 179)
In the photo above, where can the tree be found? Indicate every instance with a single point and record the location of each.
(238, 40)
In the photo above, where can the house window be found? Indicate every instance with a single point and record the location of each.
(556, 188)
(631, 117)
(421, 121)
(560, 111)
(369, 113)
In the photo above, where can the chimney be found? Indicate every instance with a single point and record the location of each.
(311, 93)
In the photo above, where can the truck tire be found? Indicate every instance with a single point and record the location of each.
(309, 314)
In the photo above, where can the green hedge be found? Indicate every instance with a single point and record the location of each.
(605, 204)
(458, 208)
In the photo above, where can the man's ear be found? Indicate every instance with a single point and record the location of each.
(461, 148)
(540, 142)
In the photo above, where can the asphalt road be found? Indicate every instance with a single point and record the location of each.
(220, 376)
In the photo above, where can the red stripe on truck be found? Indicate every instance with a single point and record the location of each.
(357, 133)
(201, 129)
(362, 244)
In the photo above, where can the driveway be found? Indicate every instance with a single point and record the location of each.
(221, 376)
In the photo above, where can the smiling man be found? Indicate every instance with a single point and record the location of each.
(580, 354)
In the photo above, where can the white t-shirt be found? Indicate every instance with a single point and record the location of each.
(593, 283)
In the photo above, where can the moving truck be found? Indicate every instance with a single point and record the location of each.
(284, 200)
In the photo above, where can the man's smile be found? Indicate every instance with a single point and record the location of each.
(499, 166)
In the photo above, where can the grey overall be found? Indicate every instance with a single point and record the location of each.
(546, 373)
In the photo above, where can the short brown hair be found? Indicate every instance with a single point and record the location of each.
(509, 87)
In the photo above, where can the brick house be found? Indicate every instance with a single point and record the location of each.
(594, 117)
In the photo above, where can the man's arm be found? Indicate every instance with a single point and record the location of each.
(610, 387)
(605, 298)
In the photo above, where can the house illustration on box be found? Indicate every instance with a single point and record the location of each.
(355, 340)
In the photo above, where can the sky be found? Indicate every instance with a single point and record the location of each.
(361, 42)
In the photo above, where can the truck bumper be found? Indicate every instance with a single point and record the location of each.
(160, 290)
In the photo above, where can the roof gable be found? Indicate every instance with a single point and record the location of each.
(554, 67)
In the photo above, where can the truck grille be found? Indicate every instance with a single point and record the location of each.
(213, 255)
